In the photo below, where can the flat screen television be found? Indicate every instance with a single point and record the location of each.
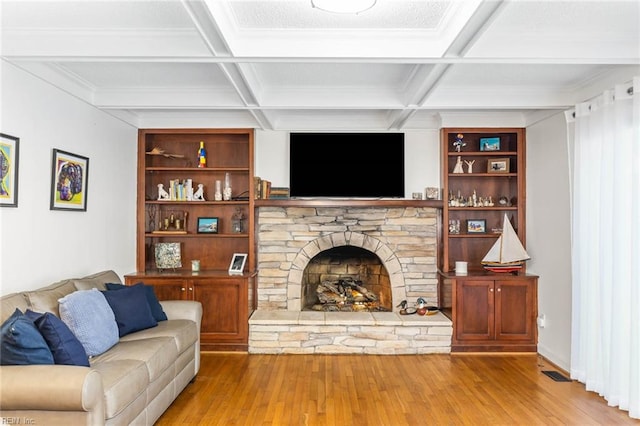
(346, 165)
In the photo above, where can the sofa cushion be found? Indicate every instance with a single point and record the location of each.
(22, 343)
(157, 354)
(131, 309)
(46, 298)
(155, 306)
(65, 347)
(97, 280)
(10, 302)
(90, 318)
(123, 381)
(183, 332)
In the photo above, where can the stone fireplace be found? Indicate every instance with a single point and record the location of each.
(394, 243)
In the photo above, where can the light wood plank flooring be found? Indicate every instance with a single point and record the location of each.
(243, 389)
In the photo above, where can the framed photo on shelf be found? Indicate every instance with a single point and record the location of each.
(207, 225)
(490, 144)
(69, 174)
(237, 263)
(498, 165)
(476, 226)
(9, 149)
(168, 256)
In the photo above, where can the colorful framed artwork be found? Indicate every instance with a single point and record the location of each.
(9, 150)
(168, 256)
(237, 263)
(490, 144)
(207, 225)
(69, 181)
(476, 226)
(498, 165)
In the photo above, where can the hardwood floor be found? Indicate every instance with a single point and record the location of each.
(243, 389)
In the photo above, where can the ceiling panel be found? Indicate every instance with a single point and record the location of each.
(280, 64)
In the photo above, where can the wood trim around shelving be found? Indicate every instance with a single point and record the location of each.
(320, 202)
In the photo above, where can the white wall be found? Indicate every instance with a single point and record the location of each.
(422, 159)
(548, 234)
(39, 246)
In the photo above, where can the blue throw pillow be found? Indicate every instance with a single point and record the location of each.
(22, 343)
(130, 308)
(65, 347)
(90, 319)
(152, 299)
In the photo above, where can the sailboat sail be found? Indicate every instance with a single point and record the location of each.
(507, 249)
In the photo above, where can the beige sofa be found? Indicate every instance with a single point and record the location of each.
(134, 382)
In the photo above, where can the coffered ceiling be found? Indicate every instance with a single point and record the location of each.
(284, 65)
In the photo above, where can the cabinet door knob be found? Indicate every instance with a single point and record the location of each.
(190, 288)
(491, 290)
(499, 288)
(182, 289)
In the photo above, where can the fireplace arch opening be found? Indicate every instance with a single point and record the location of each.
(346, 279)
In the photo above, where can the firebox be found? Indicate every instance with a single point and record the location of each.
(346, 279)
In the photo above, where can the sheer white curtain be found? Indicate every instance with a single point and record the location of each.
(604, 138)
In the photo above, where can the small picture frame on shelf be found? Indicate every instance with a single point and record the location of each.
(490, 144)
(498, 165)
(168, 256)
(207, 225)
(237, 263)
(476, 226)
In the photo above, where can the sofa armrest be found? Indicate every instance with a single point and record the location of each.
(183, 309)
(51, 387)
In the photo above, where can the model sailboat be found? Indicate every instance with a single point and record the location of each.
(507, 254)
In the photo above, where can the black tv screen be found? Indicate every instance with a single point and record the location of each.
(346, 165)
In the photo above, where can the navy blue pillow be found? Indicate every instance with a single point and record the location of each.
(130, 308)
(22, 343)
(154, 304)
(64, 345)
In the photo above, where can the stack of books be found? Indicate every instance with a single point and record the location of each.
(264, 191)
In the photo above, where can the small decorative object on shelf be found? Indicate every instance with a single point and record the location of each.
(168, 256)
(199, 194)
(490, 144)
(476, 226)
(207, 225)
(454, 226)
(202, 156)
(469, 165)
(218, 194)
(162, 193)
(237, 263)
(416, 195)
(226, 193)
(432, 193)
(498, 165)
(237, 222)
(458, 167)
(459, 143)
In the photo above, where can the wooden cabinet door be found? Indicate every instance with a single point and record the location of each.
(170, 289)
(225, 312)
(515, 310)
(474, 310)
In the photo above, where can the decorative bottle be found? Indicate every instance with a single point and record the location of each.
(202, 156)
(226, 192)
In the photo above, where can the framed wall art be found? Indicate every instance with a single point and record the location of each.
(9, 150)
(498, 165)
(237, 263)
(476, 226)
(207, 225)
(69, 179)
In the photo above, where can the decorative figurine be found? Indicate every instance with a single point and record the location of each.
(199, 194)
(458, 168)
(162, 194)
(459, 143)
(469, 165)
(202, 156)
